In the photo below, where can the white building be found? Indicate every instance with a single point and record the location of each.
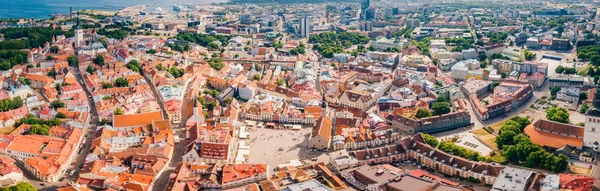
(591, 136)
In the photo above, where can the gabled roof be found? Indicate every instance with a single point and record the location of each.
(138, 119)
(323, 128)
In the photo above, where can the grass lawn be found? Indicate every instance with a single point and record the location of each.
(480, 132)
(487, 138)
(498, 158)
(498, 125)
(580, 170)
(6, 130)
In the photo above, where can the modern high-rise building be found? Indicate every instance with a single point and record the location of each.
(366, 26)
(412, 23)
(304, 26)
(371, 14)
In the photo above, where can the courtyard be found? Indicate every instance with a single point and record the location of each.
(279, 146)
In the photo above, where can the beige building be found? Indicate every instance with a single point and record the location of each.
(321, 135)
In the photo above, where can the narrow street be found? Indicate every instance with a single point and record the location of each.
(89, 131)
(162, 181)
(158, 97)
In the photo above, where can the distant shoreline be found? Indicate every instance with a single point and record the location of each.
(38, 9)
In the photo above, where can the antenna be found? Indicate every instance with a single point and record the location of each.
(77, 16)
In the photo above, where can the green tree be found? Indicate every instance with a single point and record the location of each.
(591, 72)
(529, 55)
(440, 108)
(554, 90)
(38, 129)
(73, 61)
(52, 73)
(584, 108)
(121, 82)
(160, 66)
(90, 70)
(559, 69)
(54, 49)
(119, 111)
(430, 140)
(505, 138)
(151, 51)
(522, 121)
(280, 82)
(134, 66)
(256, 77)
(57, 104)
(99, 60)
(422, 113)
(557, 114)
(106, 85)
(107, 97)
(60, 115)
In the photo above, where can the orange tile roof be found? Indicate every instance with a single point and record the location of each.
(137, 119)
(576, 182)
(551, 140)
(242, 171)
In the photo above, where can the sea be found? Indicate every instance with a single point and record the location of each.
(45, 8)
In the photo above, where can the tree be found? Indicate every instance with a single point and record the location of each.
(134, 66)
(430, 140)
(440, 108)
(559, 69)
(554, 90)
(121, 82)
(212, 46)
(256, 77)
(52, 73)
(107, 97)
(280, 82)
(371, 48)
(505, 138)
(54, 49)
(57, 87)
(441, 99)
(119, 111)
(176, 72)
(583, 96)
(106, 85)
(557, 114)
(57, 104)
(584, 108)
(591, 72)
(211, 105)
(522, 121)
(529, 55)
(160, 66)
(60, 115)
(482, 56)
(99, 60)
(73, 61)
(216, 63)
(50, 58)
(90, 70)
(422, 113)
(151, 51)
(38, 129)
(23, 186)
(595, 60)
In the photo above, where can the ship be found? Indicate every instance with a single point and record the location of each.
(177, 7)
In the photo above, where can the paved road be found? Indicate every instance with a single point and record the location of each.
(158, 97)
(90, 129)
(163, 179)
